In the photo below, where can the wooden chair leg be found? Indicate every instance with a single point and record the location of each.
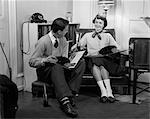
(45, 99)
(129, 83)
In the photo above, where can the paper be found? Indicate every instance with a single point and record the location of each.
(74, 58)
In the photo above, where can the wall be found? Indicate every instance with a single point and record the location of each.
(84, 12)
(50, 10)
(124, 17)
(128, 23)
(4, 36)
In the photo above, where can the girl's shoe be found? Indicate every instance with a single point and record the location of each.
(103, 99)
(111, 99)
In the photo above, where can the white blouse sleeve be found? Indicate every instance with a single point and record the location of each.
(113, 42)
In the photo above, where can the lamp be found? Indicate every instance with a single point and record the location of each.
(146, 20)
(105, 4)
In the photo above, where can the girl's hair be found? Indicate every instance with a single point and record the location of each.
(59, 24)
(102, 18)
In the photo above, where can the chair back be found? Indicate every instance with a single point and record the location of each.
(139, 53)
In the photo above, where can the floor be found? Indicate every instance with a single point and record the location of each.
(88, 107)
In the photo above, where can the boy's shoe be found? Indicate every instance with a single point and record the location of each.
(68, 109)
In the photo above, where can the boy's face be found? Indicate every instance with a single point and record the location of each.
(63, 33)
(99, 25)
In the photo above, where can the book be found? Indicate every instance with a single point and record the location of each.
(75, 57)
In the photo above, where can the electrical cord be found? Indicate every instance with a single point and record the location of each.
(10, 70)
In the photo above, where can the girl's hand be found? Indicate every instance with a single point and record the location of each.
(114, 50)
(74, 48)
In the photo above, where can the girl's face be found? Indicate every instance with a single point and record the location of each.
(99, 25)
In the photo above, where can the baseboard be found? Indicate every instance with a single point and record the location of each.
(20, 75)
(20, 81)
(20, 88)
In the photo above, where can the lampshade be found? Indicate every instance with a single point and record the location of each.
(105, 4)
(147, 20)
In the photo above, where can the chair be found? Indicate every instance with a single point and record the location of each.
(139, 57)
(120, 84)
(8, 98)
(40, 88)
(44, 89)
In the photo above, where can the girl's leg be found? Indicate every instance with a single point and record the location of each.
(97, 75)
(105, 75)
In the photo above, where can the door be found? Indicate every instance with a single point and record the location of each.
(4, 36)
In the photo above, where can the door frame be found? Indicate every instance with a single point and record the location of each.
(13, 37)
(2, 9)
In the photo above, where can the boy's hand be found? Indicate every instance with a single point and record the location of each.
(50, 59)
(69, 64)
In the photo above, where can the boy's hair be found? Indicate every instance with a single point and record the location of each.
(102, 18)
(59, 24)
